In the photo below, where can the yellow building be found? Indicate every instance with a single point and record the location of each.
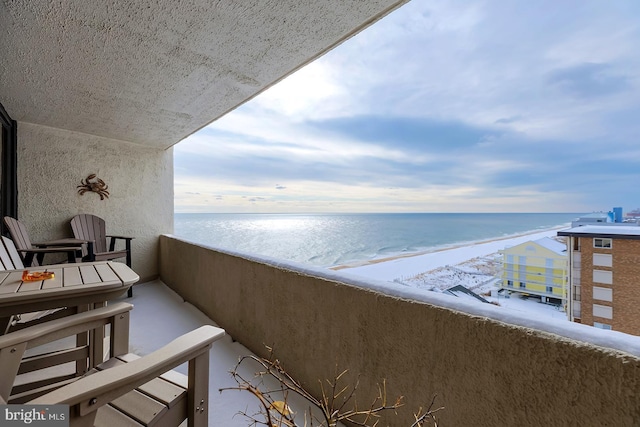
(537, 268)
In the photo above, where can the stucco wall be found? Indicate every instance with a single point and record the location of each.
(485, 372)
(51, 163)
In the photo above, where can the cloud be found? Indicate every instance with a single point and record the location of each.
(588, 80)
(503, 105)
(508, 120)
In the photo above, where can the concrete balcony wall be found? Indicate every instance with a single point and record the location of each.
(52, 162)
(486, 370)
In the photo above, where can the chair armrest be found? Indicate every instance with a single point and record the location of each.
(51, 249)
(100, 388)
(40, 252)
(120, 237)
(68, 241)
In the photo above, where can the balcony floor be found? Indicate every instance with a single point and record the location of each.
(157, 308)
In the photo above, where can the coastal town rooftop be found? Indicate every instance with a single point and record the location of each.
(607, 231)
(108, 88)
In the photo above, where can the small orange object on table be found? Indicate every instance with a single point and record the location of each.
(36, 276)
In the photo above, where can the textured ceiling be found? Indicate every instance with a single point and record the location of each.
(153, 72)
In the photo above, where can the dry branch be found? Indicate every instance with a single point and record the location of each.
(338, 402)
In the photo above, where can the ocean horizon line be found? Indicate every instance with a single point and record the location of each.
(382, 213)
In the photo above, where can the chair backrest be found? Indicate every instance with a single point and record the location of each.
(90, 227)
(18, 233)
(9, 256)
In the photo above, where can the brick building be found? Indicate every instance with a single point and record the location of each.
(604, 277)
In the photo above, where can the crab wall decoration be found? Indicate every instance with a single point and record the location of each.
(98, 186)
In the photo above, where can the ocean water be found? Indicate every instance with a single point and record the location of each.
(327, 240)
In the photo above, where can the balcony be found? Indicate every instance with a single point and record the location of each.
(487, 368)
(482, 363)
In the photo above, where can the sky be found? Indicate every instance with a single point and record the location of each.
(441, 106)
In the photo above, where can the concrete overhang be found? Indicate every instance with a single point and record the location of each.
(153, 72)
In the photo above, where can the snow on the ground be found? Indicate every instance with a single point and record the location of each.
(477, 274)
(516, 302)
(476, 267)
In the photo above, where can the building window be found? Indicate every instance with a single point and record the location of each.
(602, 276)
(510, 283)
(602, 243)
(522, 265)
(602, 294)
(601, 326)
(549, 289)
(603, 311)
(523, 285)
(576, 309)
(509, 270)
(603, 260)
